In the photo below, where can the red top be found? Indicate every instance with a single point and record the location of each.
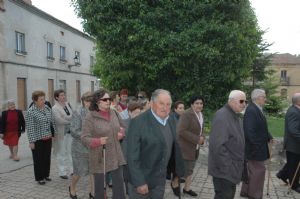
(105, 114)
(123, 106)
(12, 121)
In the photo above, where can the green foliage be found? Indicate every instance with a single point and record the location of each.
(205, 47)
(276, 126)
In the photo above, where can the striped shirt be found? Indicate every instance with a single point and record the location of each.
(38, 122)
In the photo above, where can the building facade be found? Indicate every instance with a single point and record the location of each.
(287, 70)
(40, 52)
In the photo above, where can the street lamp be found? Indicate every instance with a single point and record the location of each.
(76, 62)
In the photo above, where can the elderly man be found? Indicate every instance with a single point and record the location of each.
(257, 137)
(292, 141)
(151, 136)
(226, 146)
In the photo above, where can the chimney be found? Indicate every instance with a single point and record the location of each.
(28, 2)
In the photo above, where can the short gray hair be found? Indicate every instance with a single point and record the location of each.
(10, 101)
(257, 93)
(157, 92)
(295, 98)
(234, 94)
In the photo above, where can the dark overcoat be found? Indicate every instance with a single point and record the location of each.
(292, 130)
(146, 150)
(257, 135)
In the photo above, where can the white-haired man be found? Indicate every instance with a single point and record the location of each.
(150, 138)
(257, 137)
(226, 146)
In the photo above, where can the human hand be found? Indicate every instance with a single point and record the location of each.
(121, 133)
(201, 140)
(31, 146)
(143, 189)
(103, 140)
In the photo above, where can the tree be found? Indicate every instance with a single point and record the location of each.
(205, 47)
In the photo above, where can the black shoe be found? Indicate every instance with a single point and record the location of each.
(190, 192)
(281, 178)
(64, 177)
(297, 189)
(176, 190)
(41, 182)
(48, 179)
(72, 196)
(91, 196)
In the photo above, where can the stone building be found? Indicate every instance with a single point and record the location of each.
(287, 70)
(40, 52)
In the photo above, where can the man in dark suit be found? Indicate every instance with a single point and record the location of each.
(150, 140)
(292, 141)
(257, 137)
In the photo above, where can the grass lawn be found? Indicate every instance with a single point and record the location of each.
(276, 126)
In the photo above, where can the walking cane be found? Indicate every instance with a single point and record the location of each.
(269, 165)
(290, 185)
(104, 176)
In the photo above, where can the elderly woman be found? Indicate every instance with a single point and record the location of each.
(62, 144)
(190, 137)
(102, 127)
(12, 125)
(39, 119)
(79, 151)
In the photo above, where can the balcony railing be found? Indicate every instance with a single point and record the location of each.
(285, 81)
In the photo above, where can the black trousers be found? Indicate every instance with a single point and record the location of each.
(224, 189)
(117, 181)
(292, 164)
(41, 155)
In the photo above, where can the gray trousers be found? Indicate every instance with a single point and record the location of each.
(117, 181)
(224, 189)
(155, 193)
(255, 188)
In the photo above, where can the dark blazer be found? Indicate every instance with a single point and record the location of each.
(146, 150)
(292, 130)
(21, 122)
(257, 134)
(188, 134)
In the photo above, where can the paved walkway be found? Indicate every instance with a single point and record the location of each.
(17, 181)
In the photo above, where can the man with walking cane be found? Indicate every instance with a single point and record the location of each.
(292, 142)
(150, 140)
(257, 151)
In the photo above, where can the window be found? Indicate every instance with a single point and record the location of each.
(2, 5)
(20, 43)
(92, 86)
(78, 93)
(62, 85)
(62, 54)
(91, 62)
(283, 76)
(77, 55)
(283, 93)
(50, 51)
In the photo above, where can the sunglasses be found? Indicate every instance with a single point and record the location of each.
(105, 99)
(243, 101)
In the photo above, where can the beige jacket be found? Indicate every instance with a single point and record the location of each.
(95, 126)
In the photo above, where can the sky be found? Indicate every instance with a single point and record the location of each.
(279, 18)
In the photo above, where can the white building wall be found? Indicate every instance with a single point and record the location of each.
(40, 28)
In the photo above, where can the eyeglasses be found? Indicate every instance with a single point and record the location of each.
(105, 99)
(243, 101)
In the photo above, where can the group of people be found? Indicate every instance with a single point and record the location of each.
(142, 142)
